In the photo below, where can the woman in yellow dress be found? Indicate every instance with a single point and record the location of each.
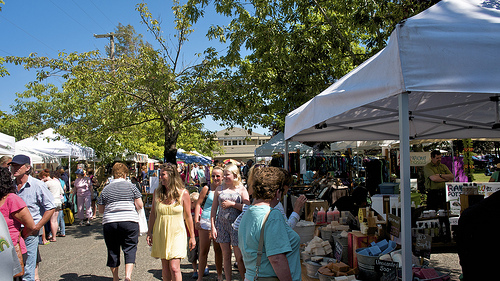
(166, 231)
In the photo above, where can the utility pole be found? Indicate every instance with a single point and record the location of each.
(111, 37)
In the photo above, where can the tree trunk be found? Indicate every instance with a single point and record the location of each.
(170, 147)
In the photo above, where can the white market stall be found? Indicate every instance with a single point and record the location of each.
(277, 145)
(436, 78)
(36, 156)
(7, 144)
(55, 145)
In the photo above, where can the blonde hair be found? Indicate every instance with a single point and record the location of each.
(194, 196)
(120, 170)
(236, 172)
(175, 185)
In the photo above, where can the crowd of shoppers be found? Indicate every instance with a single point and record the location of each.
(181, 224)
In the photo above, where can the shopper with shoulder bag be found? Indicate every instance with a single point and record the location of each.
(270, 247)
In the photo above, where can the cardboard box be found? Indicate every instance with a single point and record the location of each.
(356, 240)
(311, 205)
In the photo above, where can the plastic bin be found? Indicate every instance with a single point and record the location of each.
(389, 188)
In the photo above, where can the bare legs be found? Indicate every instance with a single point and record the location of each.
(239, 260)
(227, 254)
(128, 272)
(226, 257)
(54, 225)
(204, 247)
(171, 270)
(114, 271)
(218, 259)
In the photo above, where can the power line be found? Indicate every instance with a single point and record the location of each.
(28, 33)
(88, 15)
(84, 27)
(101, 12)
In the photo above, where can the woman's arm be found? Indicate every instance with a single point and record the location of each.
(138, 203)
(101, 208)
(186, 204)
(24, 216)
(197, 207)
(213, 213)
(280, 266)
(245, 200)
(151, 221)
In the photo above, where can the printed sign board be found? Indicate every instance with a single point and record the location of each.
(454, 189)
(418, 158)
(423, 245)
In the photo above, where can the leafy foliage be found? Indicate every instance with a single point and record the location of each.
(298, 48)
(140, 101)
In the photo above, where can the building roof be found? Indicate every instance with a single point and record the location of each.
(238, 132)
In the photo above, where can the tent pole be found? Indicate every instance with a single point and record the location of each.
(404, 139)
(286, 168)
(69, 170)
(286, 155)
(453, 162)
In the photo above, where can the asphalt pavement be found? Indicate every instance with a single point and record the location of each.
(82, 255)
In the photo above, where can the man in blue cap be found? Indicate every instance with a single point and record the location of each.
(40, 203)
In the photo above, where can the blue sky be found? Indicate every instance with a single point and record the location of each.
(52, 26)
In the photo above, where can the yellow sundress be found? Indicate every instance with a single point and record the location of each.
(169, 232)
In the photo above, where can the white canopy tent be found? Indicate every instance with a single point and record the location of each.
(7, 144)
(437, 78)
(53, 144)
(360, 145)
(36, 156)
(277, 145)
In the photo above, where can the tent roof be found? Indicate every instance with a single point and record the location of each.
(360, 145)
(36, 156)
(447, 59)
(7, 144)
(277, 144)
(193, 157)
(53, 144)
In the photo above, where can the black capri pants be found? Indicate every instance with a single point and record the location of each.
(124, 234)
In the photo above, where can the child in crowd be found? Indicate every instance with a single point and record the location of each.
(193, 254)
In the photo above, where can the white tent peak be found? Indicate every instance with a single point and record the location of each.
(447, 59)
(277, 145)
(51, 143)
(7, 144)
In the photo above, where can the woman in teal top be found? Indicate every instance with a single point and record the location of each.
(280, 253)
(203, 225)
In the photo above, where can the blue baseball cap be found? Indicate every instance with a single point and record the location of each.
(20, 160)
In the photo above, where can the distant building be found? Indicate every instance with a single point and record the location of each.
(239, 144)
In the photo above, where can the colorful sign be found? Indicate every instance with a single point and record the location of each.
(454, 189)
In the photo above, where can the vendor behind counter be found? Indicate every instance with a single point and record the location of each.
(352, 203)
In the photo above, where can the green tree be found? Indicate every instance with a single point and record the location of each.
(141, 98)
(298, 48)
(3, 70)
